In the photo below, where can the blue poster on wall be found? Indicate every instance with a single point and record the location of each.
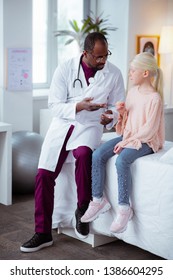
(19, 65)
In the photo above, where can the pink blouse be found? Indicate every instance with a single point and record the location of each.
(145, 120)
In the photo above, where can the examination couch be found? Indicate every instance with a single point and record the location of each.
(151, 227)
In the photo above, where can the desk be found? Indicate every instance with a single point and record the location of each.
(5, 164)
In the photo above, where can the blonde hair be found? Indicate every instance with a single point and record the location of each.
(146, 61)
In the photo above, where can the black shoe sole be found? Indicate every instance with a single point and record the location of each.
(35, 249)
(81, 236)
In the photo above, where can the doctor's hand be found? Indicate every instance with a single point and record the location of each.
(87, 105)
(107, 117)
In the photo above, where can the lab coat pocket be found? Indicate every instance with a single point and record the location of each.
(99, 94)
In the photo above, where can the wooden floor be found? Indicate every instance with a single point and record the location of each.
(17, 226)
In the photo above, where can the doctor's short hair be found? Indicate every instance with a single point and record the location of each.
(91, 39)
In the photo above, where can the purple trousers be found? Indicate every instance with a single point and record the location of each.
(45, 182)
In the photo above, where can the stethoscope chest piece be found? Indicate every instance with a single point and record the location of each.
(91, 80)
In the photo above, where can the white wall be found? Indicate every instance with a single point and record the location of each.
(117, 12)
(16, 30)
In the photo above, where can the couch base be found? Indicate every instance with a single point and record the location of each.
(93, 239)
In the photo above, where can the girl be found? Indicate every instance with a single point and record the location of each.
(141, 127)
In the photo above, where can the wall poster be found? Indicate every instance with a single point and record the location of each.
(19, 69)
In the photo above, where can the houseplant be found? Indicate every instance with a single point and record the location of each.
(90, 24)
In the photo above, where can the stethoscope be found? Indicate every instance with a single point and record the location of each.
(78, 71)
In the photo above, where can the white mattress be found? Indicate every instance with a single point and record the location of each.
(152, 199)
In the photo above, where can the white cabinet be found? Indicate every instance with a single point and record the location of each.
(5, 164)
(169, 124)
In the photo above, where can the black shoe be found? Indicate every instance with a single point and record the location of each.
(82, 229)
(37, 242)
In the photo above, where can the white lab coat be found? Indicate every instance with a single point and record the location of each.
(106, 87)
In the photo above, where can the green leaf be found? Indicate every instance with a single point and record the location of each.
(74, 25)
(90, 24)
(69, 41)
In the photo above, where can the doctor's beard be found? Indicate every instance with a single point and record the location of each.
(98, 67)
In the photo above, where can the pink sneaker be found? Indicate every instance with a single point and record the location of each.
(120, 223)
(94, 210)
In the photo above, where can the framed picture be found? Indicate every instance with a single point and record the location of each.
(148, 43)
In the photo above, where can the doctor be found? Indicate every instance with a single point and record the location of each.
(82, 96)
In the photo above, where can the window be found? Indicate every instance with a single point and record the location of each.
(67, 10)
(48, 50)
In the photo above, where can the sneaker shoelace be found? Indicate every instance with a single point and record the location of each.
(35, 239)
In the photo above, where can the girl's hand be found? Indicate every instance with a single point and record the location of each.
(106, 117)
(117, 149)
(120, 107)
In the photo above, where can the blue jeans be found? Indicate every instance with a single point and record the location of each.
(125, 158)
